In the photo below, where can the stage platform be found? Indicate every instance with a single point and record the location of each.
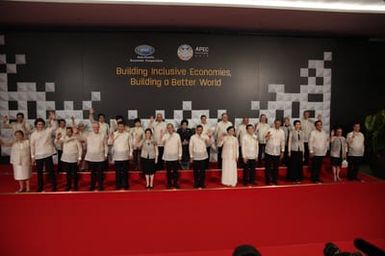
(289, 219)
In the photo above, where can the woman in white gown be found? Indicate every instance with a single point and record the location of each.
(21, 160)
(230, 153)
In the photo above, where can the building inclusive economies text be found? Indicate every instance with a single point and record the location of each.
(173, 77)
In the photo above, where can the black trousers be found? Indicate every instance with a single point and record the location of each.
(286, 160)
(160, 163)
(271, 168)
(316, 168)
(48, 163)
(219, 158)
(72, 175)
(295, 168)
(261, 152)
(199, 168)
(172, 168)
(59, 161)
(137, 159)
(249, 171)
(354, 163)
(97, 169)
(121, 174)
(208, 157)
(306, 154)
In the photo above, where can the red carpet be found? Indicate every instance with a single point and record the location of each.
(282, 220)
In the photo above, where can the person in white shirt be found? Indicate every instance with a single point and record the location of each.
(158, 127)
(81, 132)
(286, 127)
(318, 146)
(220, 132)
(172, 155)
(149, 157)
(198, 156)
(230, 154)
(338, 150)
(208, 131)
(71, 157)
(21, 124)
(97, 151)
(20, 160)
(61, 130)
(275, 147)
(104, 127)
(42, 150)
(307, 127)
(249, 149)
(296, 147)
(356, 143)
(240, 132)
(122, 152)
(261, 129)
(185, 134)
(137, 134)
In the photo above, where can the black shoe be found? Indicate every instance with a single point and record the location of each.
(319, 181)
(91, 189)
(254, 183)
(177, 186)
(168, 186)
(151, 187)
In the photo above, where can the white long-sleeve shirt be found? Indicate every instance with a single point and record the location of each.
(276, 143)
(159, 129)
(97, 149)
(72, 149)
(241, 131)
(230, 148)
(249, 146)
(261, 130)
(42, 143)
(20, 153)
(198, 145)
(172, 147)
(149, 149)
(356, 142)
(137, 134)
(121, 146)
(221, 130)
(318, 143)
(307, 127)
(61, 131)
(296, 141)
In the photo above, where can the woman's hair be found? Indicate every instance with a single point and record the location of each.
(148, 130)
(39, 120)
(229, 128)
(20, 132)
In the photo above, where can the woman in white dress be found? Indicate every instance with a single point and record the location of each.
(21, 160)
(230, 153)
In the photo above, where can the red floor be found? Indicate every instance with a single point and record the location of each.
(280, 220)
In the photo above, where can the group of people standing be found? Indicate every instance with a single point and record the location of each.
(161, 146)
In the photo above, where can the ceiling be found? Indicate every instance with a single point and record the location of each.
(204, 17)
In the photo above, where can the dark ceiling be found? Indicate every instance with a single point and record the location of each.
(23, 15)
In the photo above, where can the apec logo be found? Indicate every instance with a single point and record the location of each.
(144, 50)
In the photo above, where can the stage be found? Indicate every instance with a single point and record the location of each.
(289, 219)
